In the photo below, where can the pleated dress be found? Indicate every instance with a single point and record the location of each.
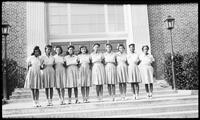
(134, 75)
(85, 73)
(59, 72)
(110, 68)
(72, 71)
(146, 69)
(122, 67)
(98, 70)
(33, 78)
(48, 73)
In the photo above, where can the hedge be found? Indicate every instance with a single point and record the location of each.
(15, 75)
(186, 70)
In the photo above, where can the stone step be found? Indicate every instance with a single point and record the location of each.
(93, 88)
(91, 93)
(16, 108)
(96, 113)
(42, 97)
(179, 114)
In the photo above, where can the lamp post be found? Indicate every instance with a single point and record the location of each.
(170, 25)
(5, 32)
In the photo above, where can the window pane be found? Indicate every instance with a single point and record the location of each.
(115, 18)
(87, 18)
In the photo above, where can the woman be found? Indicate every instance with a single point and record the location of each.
(122, 70)
(110, 69)
(133, 71)
(98, 71)
(48, 73)
(146, 70)
(33, 78)
(72, 73)
(85, 72)
(60, 74)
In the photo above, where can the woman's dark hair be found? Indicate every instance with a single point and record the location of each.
(131, 45)
(144, 47)
(71, 46)
(48, 46)
(120, 45)
(61, 50)
(108, 44)
(81, 48)
(36, 48)
(96, 44)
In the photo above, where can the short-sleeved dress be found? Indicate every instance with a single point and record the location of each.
(48, 73)
(60, 71)
(122, 67)
(110, 68)
(72, 71)
(98, 70)
(33, 77)
(134, 75)
(85, 73)
(146, 69)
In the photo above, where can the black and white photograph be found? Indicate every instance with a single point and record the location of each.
(99, 60)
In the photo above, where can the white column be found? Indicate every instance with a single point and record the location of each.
(140, 27)
(128, 24)
(36, 26)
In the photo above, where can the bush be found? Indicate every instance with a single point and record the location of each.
(185, 68)
(14, 75)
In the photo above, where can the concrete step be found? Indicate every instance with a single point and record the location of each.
(18, 92)
(42, 97)
(93, 88)
(96, 113)
(179, 114)
(16, 108)
(92, 92)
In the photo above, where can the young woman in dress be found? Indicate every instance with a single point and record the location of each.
(85, 72)
(72, 73)
(146, 70)
(48, 73)
(98, 70)
(60, 74)
(134, 76)
(110, 69)
(122, 70)
(33, 78)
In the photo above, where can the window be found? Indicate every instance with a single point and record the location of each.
(66, 19)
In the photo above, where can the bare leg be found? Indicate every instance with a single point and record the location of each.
(109, 90)
(121, 88)
(124, 86)
(97, 90)
(101, 92)
(63, 95)
(58, 89)
(83, 93)
(87, 93)
(47, 94)
(69, 94)
(51, 95)
(76, 94)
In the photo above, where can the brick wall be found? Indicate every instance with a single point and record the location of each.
(185, 33)
(15, 14)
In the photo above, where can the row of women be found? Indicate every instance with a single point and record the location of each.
(85, 70)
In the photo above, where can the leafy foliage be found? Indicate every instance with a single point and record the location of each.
(185, 68)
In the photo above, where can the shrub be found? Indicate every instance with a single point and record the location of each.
(191, 73)
(14, 75)
(185, 68)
